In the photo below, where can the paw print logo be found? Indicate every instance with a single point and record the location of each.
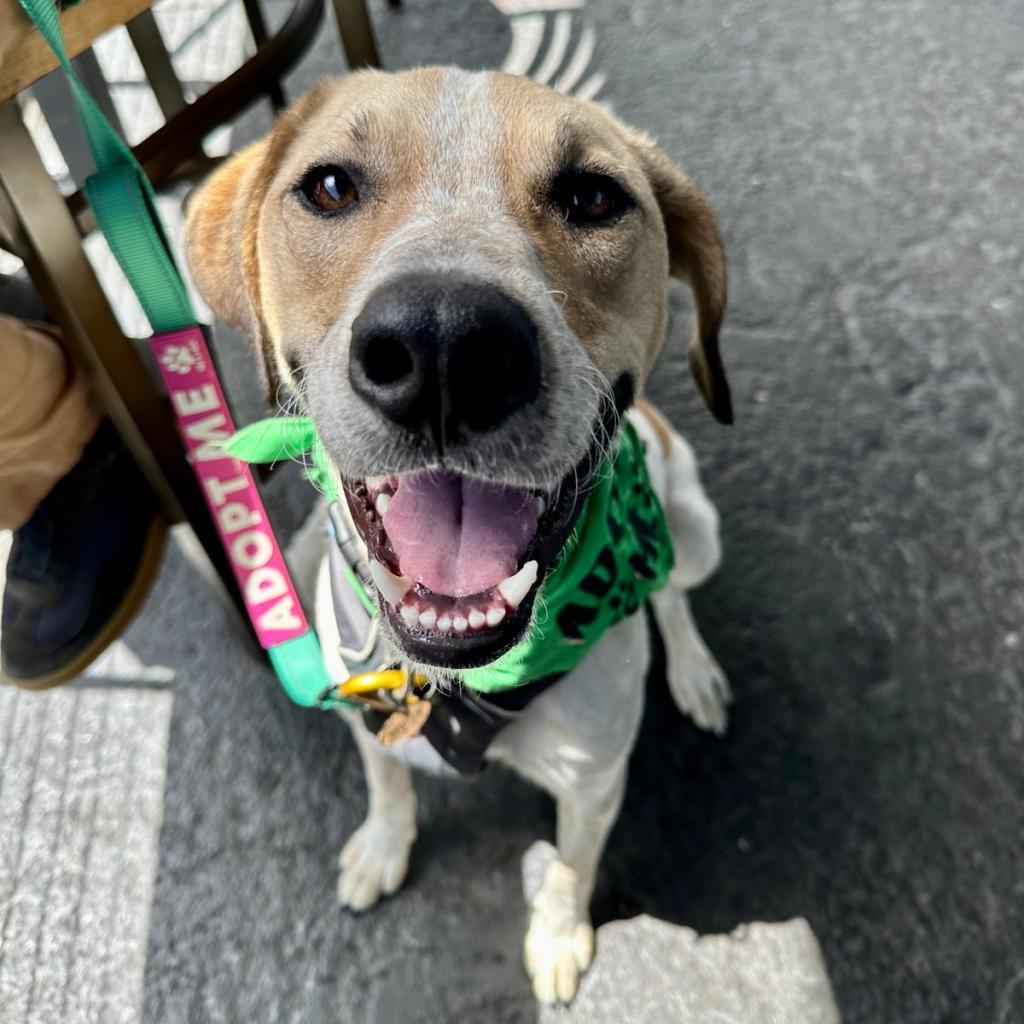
(180, 358)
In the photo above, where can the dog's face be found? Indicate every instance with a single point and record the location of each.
(463, 279)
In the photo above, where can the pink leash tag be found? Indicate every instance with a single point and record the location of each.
(228, 486)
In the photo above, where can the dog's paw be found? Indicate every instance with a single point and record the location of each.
(558, 946)
(373, 863)
(555, 961)
(700, 687)
(698, 684)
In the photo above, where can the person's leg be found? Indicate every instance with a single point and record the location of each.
(87, 537)
(46, 419)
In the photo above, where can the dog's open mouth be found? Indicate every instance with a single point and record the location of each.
(457, 561)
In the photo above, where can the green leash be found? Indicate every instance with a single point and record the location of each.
(124, 204)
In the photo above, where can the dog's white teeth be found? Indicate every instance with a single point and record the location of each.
(381, 504)
(515, 588)
(376, 483)
(542, 505)
(456, 621)
(392, 588)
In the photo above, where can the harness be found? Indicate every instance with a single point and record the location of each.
(618, 554)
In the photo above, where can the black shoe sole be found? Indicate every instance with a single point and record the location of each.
(149, 564)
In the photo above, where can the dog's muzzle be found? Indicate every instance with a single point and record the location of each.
(457, 557)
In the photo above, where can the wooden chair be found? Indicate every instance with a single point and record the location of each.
(46, 230)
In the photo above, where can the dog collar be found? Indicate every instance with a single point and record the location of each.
(618, 554)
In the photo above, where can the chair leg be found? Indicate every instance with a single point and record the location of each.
(356, 33)
(36, 220)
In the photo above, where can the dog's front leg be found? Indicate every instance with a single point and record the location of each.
(695, 679)
(574, 741)
(375, 860)
(559, 944)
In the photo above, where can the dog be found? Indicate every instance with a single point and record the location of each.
(462, 279)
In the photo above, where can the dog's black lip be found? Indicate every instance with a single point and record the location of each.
(455, 651)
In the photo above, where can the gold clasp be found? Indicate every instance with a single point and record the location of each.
(383, 679)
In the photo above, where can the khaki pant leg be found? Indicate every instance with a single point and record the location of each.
(46, 418)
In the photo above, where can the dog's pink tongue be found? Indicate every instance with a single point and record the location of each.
(458, 536)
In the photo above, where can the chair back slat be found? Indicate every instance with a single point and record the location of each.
(156, 61)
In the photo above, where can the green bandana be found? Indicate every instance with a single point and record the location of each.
(618, 554)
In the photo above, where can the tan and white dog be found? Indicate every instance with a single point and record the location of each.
(467, 273)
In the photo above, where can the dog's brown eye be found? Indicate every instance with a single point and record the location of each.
(584, 197)
(329, 189)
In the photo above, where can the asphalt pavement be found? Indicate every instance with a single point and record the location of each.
(864, 161)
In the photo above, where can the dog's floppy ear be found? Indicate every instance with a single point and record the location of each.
(221, 238)
(221, 235)
(696, 255)
(221, 246)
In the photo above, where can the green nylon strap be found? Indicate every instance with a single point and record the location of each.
(121, 197)
(124, 204)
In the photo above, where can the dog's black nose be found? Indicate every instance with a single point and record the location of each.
(441, 353)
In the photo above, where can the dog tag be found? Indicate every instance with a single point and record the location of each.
(404, 723)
